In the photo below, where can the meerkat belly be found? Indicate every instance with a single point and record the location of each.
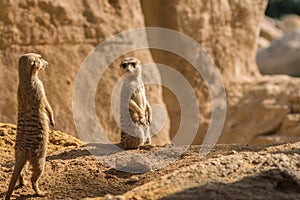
(32, 133)
(138, 96)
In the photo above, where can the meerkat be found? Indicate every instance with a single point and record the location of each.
(34, 116)
(135, 110)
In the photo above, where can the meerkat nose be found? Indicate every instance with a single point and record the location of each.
(130, 68)
(45, 64)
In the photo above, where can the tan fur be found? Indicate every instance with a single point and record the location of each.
(136, 114)
(34, 115)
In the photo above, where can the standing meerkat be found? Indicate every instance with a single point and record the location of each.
(135, 110)
(34, 116)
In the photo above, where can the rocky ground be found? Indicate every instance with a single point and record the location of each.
(227, 172)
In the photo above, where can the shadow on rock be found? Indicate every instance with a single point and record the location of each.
(269, 185)
(95, 149)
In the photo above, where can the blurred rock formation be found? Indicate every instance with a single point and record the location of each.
(260, 109)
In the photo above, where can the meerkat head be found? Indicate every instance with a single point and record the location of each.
(131, 67)
(31, 63)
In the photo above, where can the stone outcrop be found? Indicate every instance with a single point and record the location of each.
(282, 56)
(266, 110)
(258, 108)
(228, 31)
(291, 22)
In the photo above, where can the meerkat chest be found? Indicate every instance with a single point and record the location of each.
(138, 96)
(30, 98)
(137, 93)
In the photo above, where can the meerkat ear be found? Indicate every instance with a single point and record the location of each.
(31, 61)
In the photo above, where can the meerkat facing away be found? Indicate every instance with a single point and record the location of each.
(34, 116)
(135, 110)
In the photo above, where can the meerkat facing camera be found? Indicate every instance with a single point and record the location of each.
(135, 110)
(34, 116)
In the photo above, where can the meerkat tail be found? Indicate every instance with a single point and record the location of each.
(148, 136)
(20, 162)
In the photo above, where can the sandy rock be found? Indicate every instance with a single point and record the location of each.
(231, 176)
(282, 57)
(57, 140)
(291, 22)
(133, 164)
(111, 197)
(290, 126)
(65, 33)
(266, 111)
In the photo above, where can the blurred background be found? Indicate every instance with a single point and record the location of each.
(280, 8)
(281, 24)
(255, 45)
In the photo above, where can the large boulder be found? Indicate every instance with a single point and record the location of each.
(65, 32)
(282, 57)
(228, 31)
(263, 111)
(259, 109)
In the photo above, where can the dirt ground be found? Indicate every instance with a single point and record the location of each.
(227, 172)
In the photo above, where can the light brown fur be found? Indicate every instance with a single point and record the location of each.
(34, 116)
(136, 114)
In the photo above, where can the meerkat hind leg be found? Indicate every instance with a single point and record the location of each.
(147, 137)
(22, 181)
(37, 169)
(147, 143)
(20, 162)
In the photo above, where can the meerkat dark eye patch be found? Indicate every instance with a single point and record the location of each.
(123, 65)
(132, 63)
(31, 61)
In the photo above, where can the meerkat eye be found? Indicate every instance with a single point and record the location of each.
(133, 64)
(123, 65)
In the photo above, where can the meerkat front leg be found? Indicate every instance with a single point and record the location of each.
(50, 113)
(38, 165)
(138, 113)
(148, 113)
(148, 143)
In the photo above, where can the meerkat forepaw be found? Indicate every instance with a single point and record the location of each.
(41, 194)
(143, 120)
(52, 123)
(149, 119)
(135, 117)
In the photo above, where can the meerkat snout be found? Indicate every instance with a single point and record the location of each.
(36, 61)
